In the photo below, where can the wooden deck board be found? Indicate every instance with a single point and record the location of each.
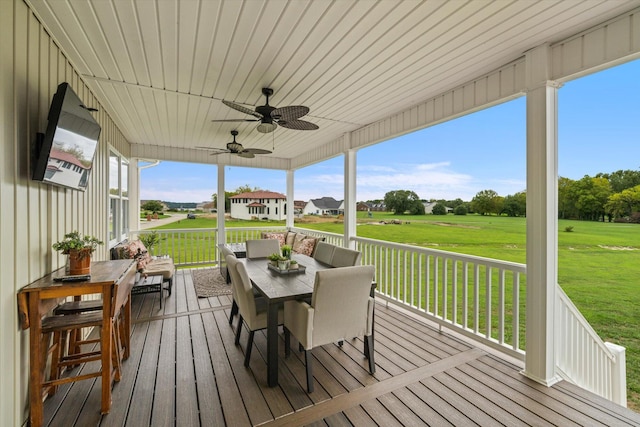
(185, 370)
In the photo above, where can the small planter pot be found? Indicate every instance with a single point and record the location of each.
(79, 262)
(283, 265)
(293, 266)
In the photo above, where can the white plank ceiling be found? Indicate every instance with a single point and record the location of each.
(161, 68)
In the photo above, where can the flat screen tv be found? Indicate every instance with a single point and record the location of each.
(64, 154)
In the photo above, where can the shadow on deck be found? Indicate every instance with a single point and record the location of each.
(185, 370)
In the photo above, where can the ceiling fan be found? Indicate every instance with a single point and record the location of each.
(235, 147)
(270, 117)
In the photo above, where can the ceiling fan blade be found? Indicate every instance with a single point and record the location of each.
(242, 109)
(246, 154)
(291, 112)
(256, 151)
(214, 149)
(298, 125)
(235, 120)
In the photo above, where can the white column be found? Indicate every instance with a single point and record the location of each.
(349, 196)
(134, 196)
(290, 198)
(222, 236)
(542, 211)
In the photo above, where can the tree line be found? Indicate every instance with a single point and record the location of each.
(606, 196)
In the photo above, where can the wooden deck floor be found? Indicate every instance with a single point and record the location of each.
(186, 371)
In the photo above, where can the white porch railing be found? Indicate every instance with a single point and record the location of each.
(197, 246)
(481, 298)
(583, 358)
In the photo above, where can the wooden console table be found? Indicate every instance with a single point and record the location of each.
(112, 280)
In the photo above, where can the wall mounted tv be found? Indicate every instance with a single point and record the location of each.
(64, 154)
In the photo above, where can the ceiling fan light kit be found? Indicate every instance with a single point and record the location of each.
(266, 127)
(271, 117)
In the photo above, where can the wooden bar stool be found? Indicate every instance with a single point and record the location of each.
(74, 337)
(85, 314)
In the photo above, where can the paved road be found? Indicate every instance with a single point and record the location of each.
(144, 224)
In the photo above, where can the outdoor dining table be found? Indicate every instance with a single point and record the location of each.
(278, 288)
(40, 297)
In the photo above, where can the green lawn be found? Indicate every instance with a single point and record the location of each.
(598, 263)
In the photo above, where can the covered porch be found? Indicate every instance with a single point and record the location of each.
(370, 71)
(185, 370)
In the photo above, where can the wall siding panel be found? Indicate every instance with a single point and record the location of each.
(35, 215)
(613, 42)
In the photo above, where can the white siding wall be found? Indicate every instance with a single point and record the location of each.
(32, 215)
(241, 211)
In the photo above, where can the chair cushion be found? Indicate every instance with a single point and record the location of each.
(162, 266)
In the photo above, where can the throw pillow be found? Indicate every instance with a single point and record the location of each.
(136, 249)
(278, 236)
(306, 246)
(297, 241)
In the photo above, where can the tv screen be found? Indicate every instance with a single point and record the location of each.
(67, 149)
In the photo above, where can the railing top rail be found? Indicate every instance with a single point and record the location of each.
(166, 230)
(174, 230)
(520, 268)
(318, 231)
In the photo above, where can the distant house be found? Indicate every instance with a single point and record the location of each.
(363, 207)
(324, 206)
(378, 207)
(259, 204)
(428, 207)
(298, 206)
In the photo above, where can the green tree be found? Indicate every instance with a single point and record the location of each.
(152, 205)
(400, 201)
(515, 205)
(591, 195)
(624, 203)
(621, 179)
(485, 202)
(566, 204)
(460, 209)
(454, 203)
(439, 209)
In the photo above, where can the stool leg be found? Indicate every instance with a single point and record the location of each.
(53, 348)
(116, 351)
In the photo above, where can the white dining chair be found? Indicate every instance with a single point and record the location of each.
(345, 257)
(324, 252)
(252, 310)
(341, 308)
(262, 248)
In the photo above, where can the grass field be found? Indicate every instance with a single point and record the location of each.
(598, 263)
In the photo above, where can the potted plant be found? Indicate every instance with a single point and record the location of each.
(274, 258)
(79, 248)
(150, 240)
(293, 265)
(286, 251)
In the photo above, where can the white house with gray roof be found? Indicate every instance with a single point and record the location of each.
(324, 206)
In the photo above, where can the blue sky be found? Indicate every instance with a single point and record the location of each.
(598, 131)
